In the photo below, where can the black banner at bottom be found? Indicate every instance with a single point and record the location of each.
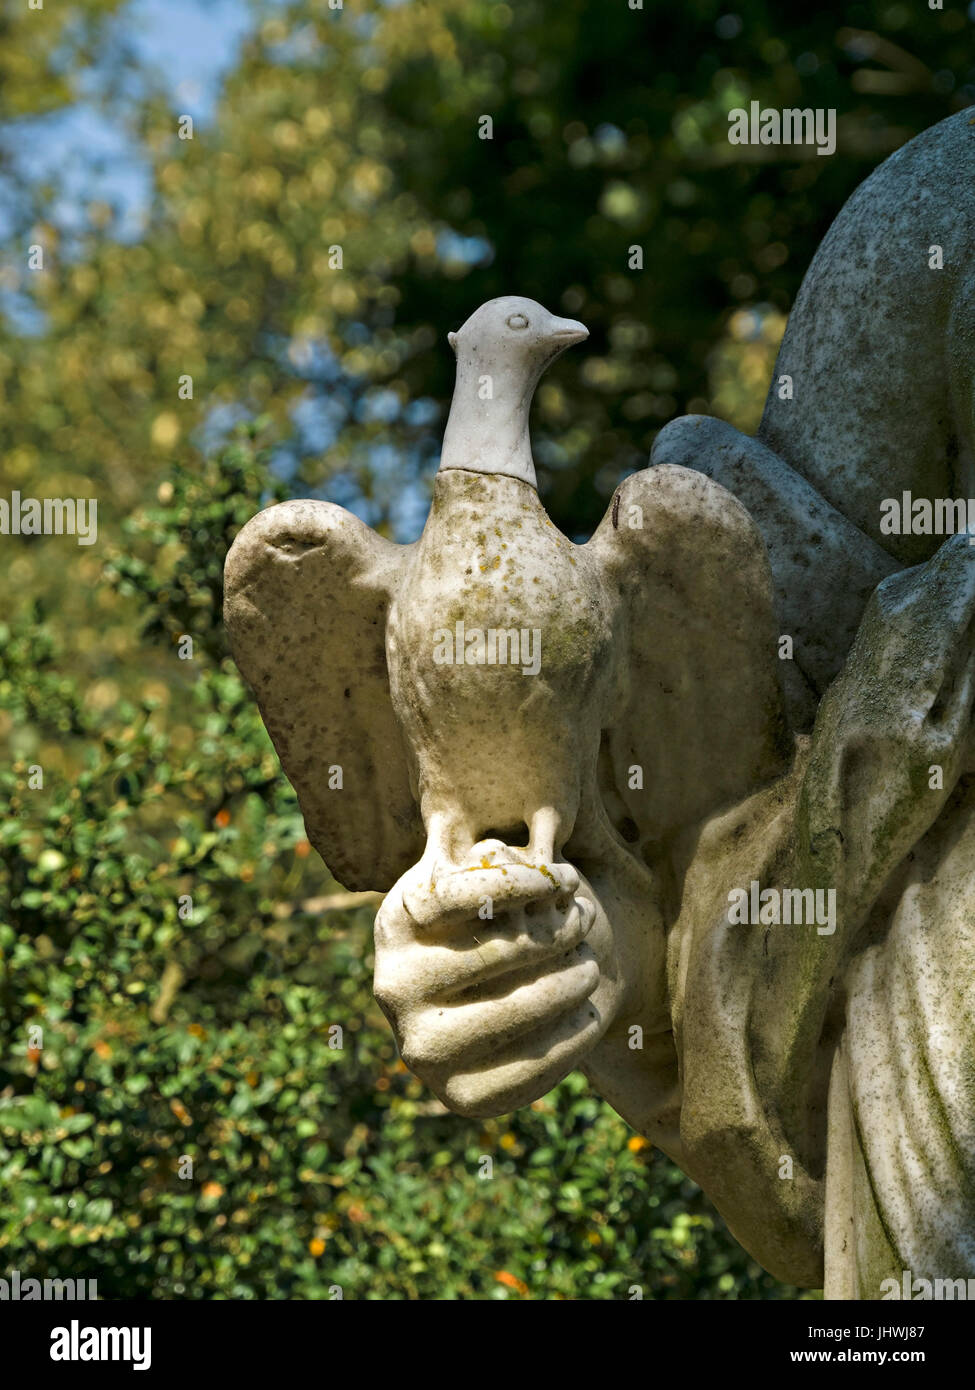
(166, 1339)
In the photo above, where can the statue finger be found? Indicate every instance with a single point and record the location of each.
(456, 897)
(525, 1069)
(476, 1031)
(476, 953)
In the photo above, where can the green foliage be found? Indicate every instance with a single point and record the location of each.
(208, 1031)
(180, 586)
(207, 1034)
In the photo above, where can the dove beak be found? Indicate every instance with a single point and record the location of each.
(565, 332)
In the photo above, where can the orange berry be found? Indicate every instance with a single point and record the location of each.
(511, 1281)
(181, 1112)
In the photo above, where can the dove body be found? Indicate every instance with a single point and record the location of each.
(492, 576)
(496, 745)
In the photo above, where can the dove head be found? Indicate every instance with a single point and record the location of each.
(501, 351)
(515, 331)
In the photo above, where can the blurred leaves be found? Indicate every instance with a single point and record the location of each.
(280, 329)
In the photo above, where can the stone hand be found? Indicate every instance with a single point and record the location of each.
(492, 1011)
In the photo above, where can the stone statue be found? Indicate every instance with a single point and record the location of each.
(618, 830)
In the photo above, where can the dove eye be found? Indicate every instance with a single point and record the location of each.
(517, 321)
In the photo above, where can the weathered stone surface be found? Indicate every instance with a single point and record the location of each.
(617, 831)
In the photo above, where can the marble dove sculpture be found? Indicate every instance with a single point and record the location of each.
(494, 676)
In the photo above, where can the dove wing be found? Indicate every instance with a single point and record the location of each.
(307, 588)
(698, 704)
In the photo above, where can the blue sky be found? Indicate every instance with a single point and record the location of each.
(185, 48)
(85, 152)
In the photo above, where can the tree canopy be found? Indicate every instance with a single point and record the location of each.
(277, 326)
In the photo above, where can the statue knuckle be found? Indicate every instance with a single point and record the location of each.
(389, 985)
